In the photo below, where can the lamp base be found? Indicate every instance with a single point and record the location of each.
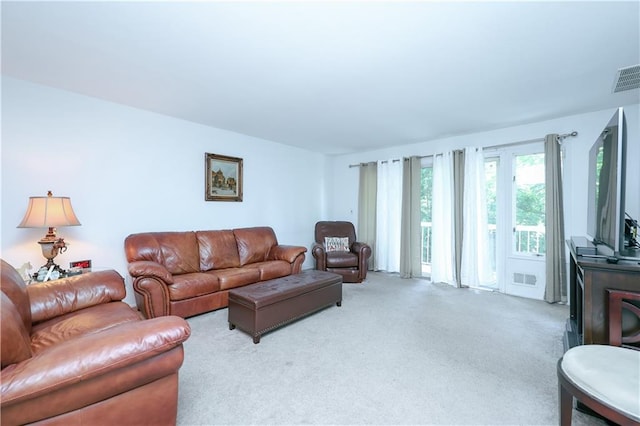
(50, 249)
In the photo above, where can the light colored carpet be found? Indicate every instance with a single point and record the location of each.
(397, 352)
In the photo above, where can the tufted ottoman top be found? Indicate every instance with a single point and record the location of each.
(266, 293)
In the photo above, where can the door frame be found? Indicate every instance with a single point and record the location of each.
(507, 261)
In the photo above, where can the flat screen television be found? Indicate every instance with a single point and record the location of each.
(606, 199)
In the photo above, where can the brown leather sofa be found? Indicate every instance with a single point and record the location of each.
(188, 273)
(74, 353)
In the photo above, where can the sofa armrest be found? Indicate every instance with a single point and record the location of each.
(147, 268)
(150, 281)
(64, 367)
(287, 253)
(51, 299)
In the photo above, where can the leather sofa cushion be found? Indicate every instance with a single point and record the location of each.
(15, 339)
(236, 277)
(79, 323)
(271, 269)
(218, 250)
(15, 288)
(254, 243)
(187, 286)
(341, 259)
(177, 251)
(51, 299)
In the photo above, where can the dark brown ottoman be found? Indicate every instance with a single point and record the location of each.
(262, 307)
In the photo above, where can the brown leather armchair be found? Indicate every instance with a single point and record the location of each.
(74, 353)
(351, 262)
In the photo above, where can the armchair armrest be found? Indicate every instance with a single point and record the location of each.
(287, 253)
(147, 268)
(94, 357)
(320, 255)
(362, 249)
(51, 299)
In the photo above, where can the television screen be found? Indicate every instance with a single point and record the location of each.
(605, 216)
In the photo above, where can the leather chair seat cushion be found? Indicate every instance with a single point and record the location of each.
(271, 269)
(342, 259)
(609, 374)
(79, 323)
(187, 286)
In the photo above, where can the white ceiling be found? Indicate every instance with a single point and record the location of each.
(332, 77)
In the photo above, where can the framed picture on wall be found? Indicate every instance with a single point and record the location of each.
(223, 178)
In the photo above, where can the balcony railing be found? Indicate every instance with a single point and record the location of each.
(426, 242)
(528, 240)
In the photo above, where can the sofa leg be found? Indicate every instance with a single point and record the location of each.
(232, 326)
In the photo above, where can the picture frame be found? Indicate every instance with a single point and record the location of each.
(223, 178)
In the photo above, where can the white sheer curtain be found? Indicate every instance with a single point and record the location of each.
(388, 217)
(474, 270)
(442, 255)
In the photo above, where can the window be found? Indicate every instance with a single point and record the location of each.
(529, 196)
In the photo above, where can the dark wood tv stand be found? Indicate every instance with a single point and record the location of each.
(589, 279)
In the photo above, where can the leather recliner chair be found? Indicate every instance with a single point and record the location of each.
(74, 353)
(350, 260)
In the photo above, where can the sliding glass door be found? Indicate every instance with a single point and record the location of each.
(426, 191)
(491, 169)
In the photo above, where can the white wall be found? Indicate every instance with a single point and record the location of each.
(343, 193)
(128, 171)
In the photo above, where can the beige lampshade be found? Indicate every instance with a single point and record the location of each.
(49, 212)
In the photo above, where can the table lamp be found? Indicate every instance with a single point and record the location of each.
(50, 212)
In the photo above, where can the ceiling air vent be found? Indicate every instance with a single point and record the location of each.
(627, 79)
